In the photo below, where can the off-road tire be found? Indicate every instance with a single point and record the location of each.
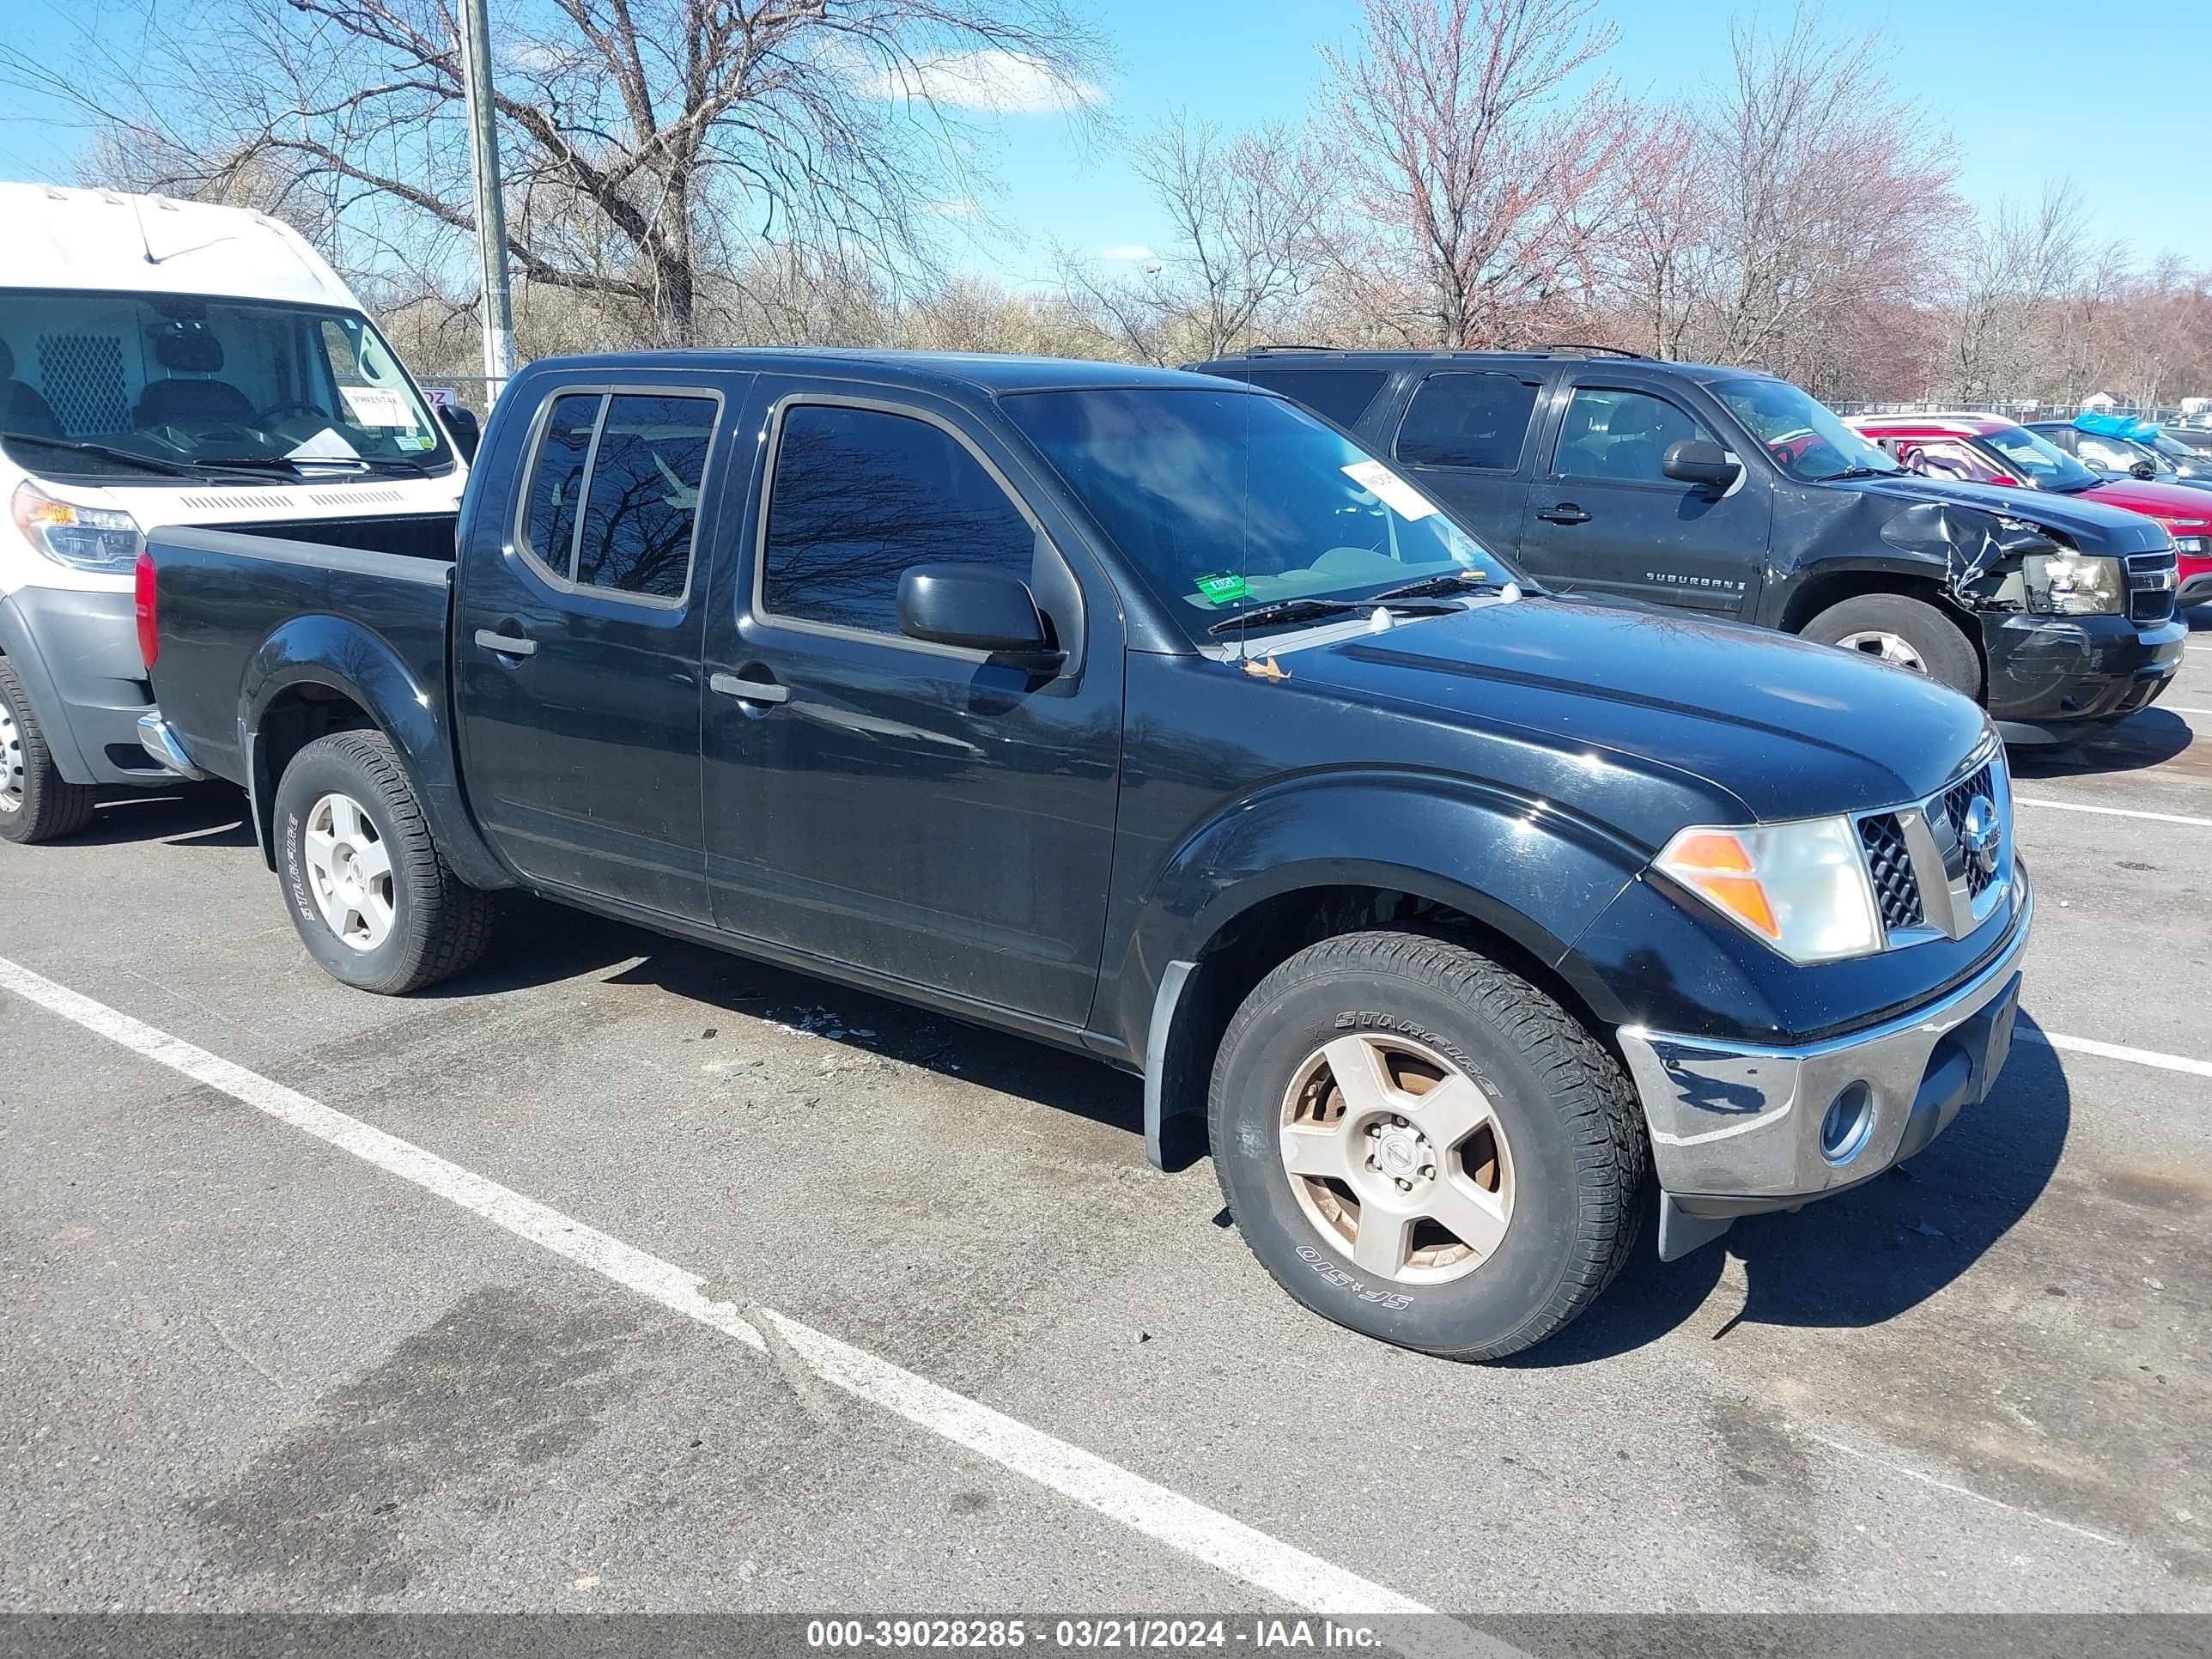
(46, 805)
(1576, 1135)
(440, 924)
(1942, 646)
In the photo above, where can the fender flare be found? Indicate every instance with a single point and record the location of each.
(341, 655)
(1456, 843)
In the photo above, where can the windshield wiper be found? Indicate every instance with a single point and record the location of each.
(1450, 581)
(1860, 472)
(1310, 609)
(106, 451)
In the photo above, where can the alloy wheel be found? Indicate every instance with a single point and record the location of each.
(1397, 1159)
(349, 870)
(1889, 647)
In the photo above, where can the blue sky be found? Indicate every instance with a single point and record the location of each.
(2033, 89)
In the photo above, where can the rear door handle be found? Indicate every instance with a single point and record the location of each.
(749, 690)
(507, 645)
(1565, 513)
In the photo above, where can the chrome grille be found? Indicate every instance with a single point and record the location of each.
(2152, 578)
(1895, 889)
(1956, 799)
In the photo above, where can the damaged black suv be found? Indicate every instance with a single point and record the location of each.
(1734, 493)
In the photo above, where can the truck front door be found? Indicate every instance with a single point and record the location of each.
(904, 807)
(577, 643)
(1604, 517)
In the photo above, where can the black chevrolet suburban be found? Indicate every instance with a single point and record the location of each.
(1732, 492)
(1145, 714)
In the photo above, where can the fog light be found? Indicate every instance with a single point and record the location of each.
(1849, 1121)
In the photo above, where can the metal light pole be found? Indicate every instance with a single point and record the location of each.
(491, 211)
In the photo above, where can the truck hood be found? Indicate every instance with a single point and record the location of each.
(2091, 521)
(2164, 501)
(1788, 729)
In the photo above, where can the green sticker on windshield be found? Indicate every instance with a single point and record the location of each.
(1224, 589)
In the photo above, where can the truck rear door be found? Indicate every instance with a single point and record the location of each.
(577, 639)
(905, 807)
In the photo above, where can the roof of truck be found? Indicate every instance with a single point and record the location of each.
(980, 371)
(106, 241)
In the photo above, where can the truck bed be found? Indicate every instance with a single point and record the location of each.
(237, 606)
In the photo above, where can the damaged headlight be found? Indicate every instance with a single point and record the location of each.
(2074, 584)
(1801, 887)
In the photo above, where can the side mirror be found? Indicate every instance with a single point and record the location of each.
(1700, 461)
(978, 607)
(2143, 470)
(463, 428)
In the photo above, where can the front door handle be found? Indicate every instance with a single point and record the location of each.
(507, 645)
(749, 690)
(1565, 513)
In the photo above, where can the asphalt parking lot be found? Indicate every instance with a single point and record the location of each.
(724, 1289)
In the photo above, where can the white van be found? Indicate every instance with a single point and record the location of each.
(168, 362)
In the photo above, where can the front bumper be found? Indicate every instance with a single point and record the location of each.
(2051, 677)
(1737, 1128)
(77, 650)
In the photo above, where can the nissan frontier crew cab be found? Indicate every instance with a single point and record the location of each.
(1145, 714)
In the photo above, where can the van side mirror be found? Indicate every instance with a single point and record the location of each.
(1700, 461)
(978, 607)
(463, 428)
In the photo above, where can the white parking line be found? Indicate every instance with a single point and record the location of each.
(2179, 708)
(2110, 811)
(1280, 1570)
(2115, 1051)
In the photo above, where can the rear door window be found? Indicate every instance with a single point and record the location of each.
(1342, 395)
(613, 502)
(556, 482)
(1468, 419)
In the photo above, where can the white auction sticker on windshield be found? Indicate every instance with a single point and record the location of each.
(1395, 492)
(376, 405)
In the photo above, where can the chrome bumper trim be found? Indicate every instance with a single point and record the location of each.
(157, 741)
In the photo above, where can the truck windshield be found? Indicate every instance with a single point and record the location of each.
(227, 387)
(1807, 439)
(1232, 501)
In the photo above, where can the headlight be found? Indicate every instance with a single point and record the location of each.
(1802, 888)
(83, 538)
(2074, 584)
(2195, 547)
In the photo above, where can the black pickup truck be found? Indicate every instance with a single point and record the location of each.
(1145, 714)
(1729, 492)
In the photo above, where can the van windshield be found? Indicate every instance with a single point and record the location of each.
(89, 381)
(1233, 501)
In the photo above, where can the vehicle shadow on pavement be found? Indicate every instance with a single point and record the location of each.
(1864, 1256)
(2153, 737)
(188, 815)
(539, 942)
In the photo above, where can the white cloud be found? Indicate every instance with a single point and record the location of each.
(993, 79)
(1134, 253)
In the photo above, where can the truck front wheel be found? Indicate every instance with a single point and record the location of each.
(373, 900)
(37, 803)
(1907, 633)
(1425, 1148)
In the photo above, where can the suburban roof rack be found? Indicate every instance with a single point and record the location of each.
(1568, 347)
(1262, 351)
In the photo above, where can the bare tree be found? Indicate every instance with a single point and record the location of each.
(1242, 209)
(645, 140)
(2018, 263)
(1475, 175)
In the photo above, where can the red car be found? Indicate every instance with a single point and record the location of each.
(1988, 449)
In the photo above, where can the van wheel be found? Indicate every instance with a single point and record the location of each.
(1908, 633)
(375, 901)
(37, 803)
(1425, 1148)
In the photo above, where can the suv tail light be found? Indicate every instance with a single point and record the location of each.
(142, 595)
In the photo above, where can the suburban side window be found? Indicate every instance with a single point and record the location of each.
(1620, 436)
(643, 503)
(859, 494)
(557, 483)
(1467, 420)
(1341, 395)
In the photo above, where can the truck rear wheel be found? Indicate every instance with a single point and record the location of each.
(37, 803)
(1908, 633)
(373, 900)
(1425, 1148)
